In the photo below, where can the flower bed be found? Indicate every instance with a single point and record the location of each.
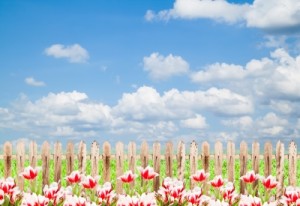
(86, 190)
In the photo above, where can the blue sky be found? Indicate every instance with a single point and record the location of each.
(150, 70)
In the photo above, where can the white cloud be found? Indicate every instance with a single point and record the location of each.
(268, 15)
(219, 71)
(243, 123)
(280, 74)
(198, 122)
(74, 53)
(147, 104)
(160, 67)
(33, 82)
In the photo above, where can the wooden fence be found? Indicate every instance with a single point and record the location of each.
(169, 154)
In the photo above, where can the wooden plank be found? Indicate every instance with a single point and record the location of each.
(45, 163)
(169, 159)
(218, 158)
(82, 157)
(230, 160)
(255, 162)
(243, 164)
(205, 156)
(33, 154)
(292, 164)
(20, 163)
(7, 148)
(57, 161)
(106, 161)
(144, 158)
(268, 159)
(193, 161)
(132, 159)
(279, 169)
(156, 165)
(70, 158)
(95, 159)
(181, 160)
(119, 166)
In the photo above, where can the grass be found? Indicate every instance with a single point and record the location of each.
(162, 173)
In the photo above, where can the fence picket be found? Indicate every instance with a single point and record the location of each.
(33, 157)
(230, 160)
(279, 168)
(243, 164)
(205, 156)
(144, 158)
(94, 158)
(193, 161)
(218, 158)
(156, 165)
(132, 159)
(119, 166)
(255, 161)
(70, 158)
(169, 159)
(57, 161)
(45, 162)
(7, 159)
(268, 159)
(81, 156)
(20, 163)
(181, 160)
(292, 164)
(106, 162)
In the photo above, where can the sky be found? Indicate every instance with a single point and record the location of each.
(153, 70)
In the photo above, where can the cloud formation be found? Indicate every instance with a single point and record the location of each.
(73, 53)
(33, 82)
(271, 15)
(161, 67)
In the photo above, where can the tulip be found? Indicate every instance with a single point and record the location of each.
(74, 177)
(2, 197)
(200, 176)
(30, 173)
(127, 177)
(217, 182)
(249, 177)
(269, 182)
(89, 182)
(147, 173)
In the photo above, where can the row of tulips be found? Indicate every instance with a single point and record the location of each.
(86, 190)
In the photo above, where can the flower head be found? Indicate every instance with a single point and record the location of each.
(269, 182)
(127, 177)
(200, 176)
(147, 173)
(30, 173)
(250, 177)
(217, 181)
(74, 177)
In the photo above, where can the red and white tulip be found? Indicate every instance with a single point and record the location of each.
(147, 173)
(127, 177)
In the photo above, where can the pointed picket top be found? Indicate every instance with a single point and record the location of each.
(81, 157)
(180, 160)
(268, 158)
(95, 158)
(218, 157)
(169, 159)
(205, 156)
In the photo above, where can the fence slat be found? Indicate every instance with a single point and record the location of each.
(20, 163)
(156, 165)
(132, 159)
(205, 156)
(106, 162)
(70, 158)
(255, 161)
(218, 158)
(144, 157)
(268, 158)
(292, 164)
(169, 159)
(119, 165)
(33, 154)
(279, 168)
(193, 161)
(81, 157)
(243, 164)
(45, 162)
(181, 160)
(95, 158)
(57, 161)
(7, 148)
(230, 160)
